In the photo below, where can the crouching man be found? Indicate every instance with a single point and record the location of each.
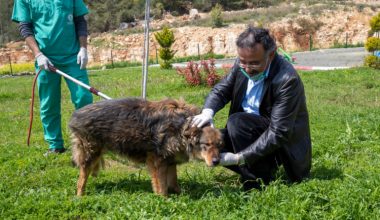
(268, 123)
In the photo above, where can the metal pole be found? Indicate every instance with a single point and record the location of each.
(199, 54)
(346, 40)
(112, 60)
(146, 48)
(310, 42)
(10, 64)
(156, 56)
(89, 88)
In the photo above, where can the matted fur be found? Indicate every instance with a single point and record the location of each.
(156, 133)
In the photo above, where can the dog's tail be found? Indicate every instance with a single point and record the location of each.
(78, 153)
(84, 156)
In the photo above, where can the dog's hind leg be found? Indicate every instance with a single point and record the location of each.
(83, 176)
(173, 186)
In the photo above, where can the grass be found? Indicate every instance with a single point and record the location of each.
(344, 109)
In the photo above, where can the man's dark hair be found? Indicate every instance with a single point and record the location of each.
(253, 35)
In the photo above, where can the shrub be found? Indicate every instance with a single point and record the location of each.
(165, 39)
(210, 74)
(17, 68)
(372, 61)
(195, 76)
(191, 73)
(216, 16)
(375, 23)
(372, 44)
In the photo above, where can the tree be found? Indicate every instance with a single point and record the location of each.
(165, 39)
(375, 24)
(216, 15)
(8, 29)
(373, 44)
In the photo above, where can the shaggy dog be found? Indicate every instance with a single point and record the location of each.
(156, 133)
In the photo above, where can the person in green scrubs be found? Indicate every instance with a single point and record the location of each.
(56, 32)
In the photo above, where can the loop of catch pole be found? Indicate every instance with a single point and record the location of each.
(55, 70)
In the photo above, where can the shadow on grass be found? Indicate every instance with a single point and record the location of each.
(125, 185)
(326, 173)
(194, 190)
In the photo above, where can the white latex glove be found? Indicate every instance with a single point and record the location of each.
(43, 62)
(203, 118)
(228, 159)
(82, 58)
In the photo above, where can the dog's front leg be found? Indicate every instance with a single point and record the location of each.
(172, 179)
(158, 169)
(162, 177)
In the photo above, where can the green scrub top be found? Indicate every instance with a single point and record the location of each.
(53, 26)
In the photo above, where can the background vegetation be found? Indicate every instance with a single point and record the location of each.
(344, 108)
(165, 39)
(110, 15)
(373, 43)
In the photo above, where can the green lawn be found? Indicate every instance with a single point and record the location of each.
(344, 107)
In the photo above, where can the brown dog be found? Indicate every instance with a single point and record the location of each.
(156, 133)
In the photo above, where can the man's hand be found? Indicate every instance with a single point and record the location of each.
(43, 62)
(203, 118)
(82, 58)
(228, 159)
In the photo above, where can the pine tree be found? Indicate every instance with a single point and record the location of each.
(165, 39)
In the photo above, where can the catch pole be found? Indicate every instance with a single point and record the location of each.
(146, 48)
(91, 89)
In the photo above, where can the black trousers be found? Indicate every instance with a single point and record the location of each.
(242, 130)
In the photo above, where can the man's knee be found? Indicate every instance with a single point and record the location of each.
(233, 123)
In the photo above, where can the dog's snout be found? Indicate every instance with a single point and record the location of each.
(215, 161)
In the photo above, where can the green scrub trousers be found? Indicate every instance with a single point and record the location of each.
(49, 90)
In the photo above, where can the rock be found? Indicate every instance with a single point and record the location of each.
(193, 14)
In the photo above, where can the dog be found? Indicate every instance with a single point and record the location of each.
(157, 133)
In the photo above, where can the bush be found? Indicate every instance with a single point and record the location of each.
(372, 44)
(196, 76)
(375, 23)
(165, 39)
(17, 68)
(372, 61)
(210, 74)
(216, 16)
(191, 73)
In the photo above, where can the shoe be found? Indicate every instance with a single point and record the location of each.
(54, 151)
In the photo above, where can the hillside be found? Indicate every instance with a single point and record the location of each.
(324, 24)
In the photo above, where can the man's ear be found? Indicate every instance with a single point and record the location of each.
(271, 55)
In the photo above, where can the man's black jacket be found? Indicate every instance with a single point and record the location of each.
(283, 104)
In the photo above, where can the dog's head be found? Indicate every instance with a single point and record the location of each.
(205, 144)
